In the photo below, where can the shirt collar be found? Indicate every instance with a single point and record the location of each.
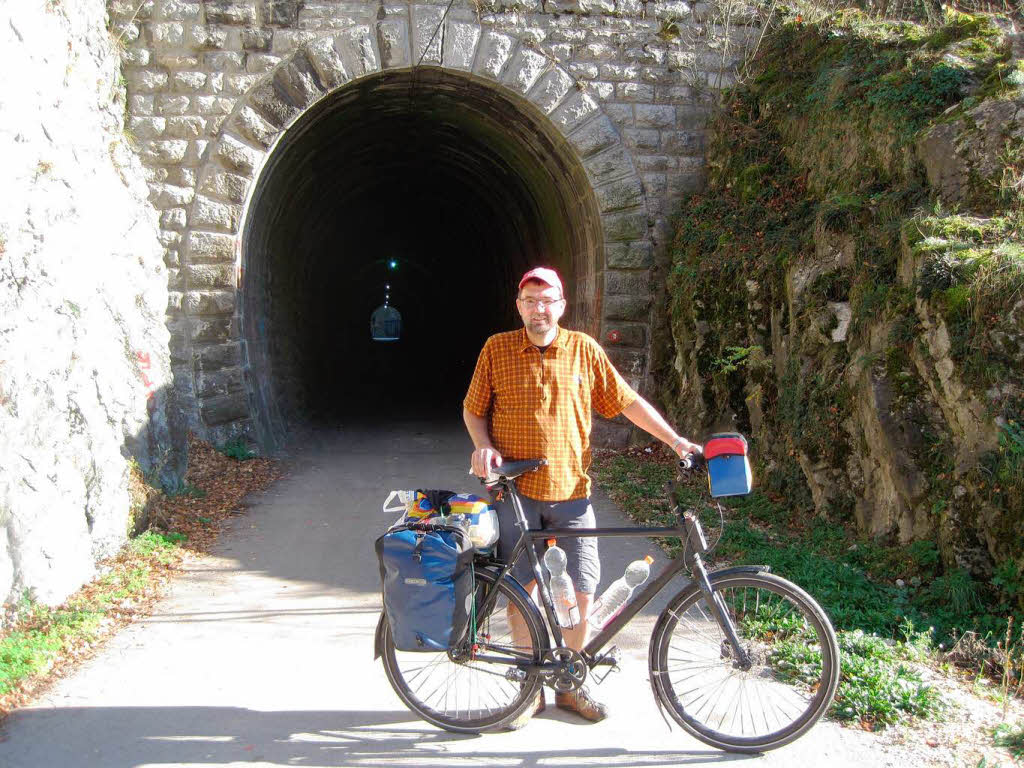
(525, 343)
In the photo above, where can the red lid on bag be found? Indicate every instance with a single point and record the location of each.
(725, 446)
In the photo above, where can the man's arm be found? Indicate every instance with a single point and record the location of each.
(642, 413)
(484, 454)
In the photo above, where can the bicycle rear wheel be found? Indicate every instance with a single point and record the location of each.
(458, 690)
(792, 647)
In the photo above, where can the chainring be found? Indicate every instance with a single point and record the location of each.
(572, 669)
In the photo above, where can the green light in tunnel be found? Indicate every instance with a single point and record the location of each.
(393, 264)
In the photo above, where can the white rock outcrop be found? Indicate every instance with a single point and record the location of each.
(84, 368)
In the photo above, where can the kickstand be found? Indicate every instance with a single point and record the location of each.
(601, 679)
(611, 660)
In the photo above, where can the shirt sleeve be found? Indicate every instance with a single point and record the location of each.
(611, 394)
(481, 387)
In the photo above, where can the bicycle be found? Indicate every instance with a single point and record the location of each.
(740, 658)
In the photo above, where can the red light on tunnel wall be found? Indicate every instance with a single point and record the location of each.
(614, 337)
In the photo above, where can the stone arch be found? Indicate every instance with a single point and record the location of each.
(613, 291)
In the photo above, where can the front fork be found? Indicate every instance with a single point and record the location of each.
(697, 545)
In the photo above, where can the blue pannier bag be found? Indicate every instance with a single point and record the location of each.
(426, 573)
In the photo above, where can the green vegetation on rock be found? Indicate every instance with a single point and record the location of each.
(849, 292)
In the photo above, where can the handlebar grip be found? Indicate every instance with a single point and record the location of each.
(692, 462)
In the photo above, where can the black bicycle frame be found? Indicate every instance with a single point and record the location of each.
(689, 532)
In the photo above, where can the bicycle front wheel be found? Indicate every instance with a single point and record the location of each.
(478, 685)
(793, 672)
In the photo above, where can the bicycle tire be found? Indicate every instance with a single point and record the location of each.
(470, 696)
(795, 668)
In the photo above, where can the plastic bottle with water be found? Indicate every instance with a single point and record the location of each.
(612, 600)
(563, 592)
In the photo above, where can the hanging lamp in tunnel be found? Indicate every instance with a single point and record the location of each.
(486, 188)
(386, 321)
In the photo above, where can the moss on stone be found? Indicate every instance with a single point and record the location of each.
(817, 205)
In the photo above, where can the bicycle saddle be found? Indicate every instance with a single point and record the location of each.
(510, 470)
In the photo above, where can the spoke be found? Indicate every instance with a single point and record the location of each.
(708, 688)
(697, 668)
(701, 628)
(426, 669)
(729, 708)
(761, 707)
(700, 652)
(466, 690)
(721, 682)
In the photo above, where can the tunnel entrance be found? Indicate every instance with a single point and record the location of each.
(435, 187)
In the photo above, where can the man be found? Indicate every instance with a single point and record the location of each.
(531, 397)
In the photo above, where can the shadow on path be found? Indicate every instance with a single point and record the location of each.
(131, 736)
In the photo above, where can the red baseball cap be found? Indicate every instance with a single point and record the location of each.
(544, 275)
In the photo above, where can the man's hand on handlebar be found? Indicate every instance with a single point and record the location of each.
(691, 455)
(483, 459)
(691, 462)
(684, 448)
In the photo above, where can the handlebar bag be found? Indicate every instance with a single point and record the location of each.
(427, 583)
(728, 465)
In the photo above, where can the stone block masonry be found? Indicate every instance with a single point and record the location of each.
(212, 83)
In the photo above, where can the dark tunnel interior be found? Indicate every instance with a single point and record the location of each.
(432, 188)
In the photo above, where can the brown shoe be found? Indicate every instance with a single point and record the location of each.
(520, 720)
(583, 704)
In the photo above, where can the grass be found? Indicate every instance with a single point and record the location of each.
(1010, 737)
(853, 578)
(157, 544)
(237, 448)
(186, 489)
(1009, 476)
(878, 685)
(37, 641)
(42, 633)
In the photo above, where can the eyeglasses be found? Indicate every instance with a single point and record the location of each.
(532, 304)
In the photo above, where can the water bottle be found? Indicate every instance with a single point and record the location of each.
(563, 593)
(612, 600)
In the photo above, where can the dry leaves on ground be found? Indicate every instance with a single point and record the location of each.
(222, 483)
(216, 486)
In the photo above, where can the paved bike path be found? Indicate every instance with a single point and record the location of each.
(263, 653)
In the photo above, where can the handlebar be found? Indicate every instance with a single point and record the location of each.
(692, 462)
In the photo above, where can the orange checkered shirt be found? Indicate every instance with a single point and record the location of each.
(539, 406)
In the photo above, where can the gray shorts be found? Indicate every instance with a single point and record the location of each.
(583, 564)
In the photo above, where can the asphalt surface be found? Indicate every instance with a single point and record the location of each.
(263, 653)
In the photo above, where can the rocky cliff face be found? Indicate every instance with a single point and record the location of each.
(84, 369)
(825, 298)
